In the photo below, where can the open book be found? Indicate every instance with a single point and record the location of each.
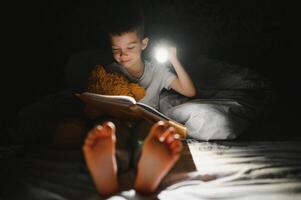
(126, 107)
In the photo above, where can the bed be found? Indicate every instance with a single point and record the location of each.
(206, 170)
(231, 159)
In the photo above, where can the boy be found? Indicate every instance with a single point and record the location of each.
(160, 149)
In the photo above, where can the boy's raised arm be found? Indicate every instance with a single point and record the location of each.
(183, 83)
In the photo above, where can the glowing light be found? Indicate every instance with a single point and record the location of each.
(161, 54)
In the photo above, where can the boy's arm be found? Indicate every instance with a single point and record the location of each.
(183, 83)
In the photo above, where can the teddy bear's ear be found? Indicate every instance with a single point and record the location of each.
(96, 80)
(100, 70)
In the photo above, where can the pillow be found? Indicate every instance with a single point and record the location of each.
(207, 119)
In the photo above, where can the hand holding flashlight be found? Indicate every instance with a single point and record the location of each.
(163, 54)
(172, 54)
(183, 83)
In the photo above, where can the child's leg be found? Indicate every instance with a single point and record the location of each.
(160, 152)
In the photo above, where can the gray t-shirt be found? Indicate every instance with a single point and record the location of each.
(155, 77)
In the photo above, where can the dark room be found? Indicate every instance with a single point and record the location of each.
(143, 99)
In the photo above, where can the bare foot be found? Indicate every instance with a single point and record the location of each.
(159, 153)
(99, 151)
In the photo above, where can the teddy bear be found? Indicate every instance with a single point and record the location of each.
(113, 83)
(110, 83)
(69, 131)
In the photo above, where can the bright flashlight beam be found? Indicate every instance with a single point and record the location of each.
(161, 54)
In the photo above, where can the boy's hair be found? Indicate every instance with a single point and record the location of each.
(126, 20)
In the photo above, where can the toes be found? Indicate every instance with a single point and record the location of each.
(173, 145)
(168, 135)
(106, 130)
(109, 129)
(94, 130)
(171, 139)
(176, 147)
(157, 129)
(176, 151)
(109, 125)
(92, 135)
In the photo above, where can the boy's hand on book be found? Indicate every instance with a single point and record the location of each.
(92, 112)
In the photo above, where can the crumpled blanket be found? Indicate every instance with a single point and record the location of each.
(222, 170)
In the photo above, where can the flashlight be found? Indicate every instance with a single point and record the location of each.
(161, 54)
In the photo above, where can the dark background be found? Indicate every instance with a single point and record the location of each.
(41, 36)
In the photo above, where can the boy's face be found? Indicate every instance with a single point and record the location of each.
(127, 48)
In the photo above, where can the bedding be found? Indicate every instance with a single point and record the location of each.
(206, 170)
(208, 119)
(246, 170)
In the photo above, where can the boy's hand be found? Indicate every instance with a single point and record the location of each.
(173, 58)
